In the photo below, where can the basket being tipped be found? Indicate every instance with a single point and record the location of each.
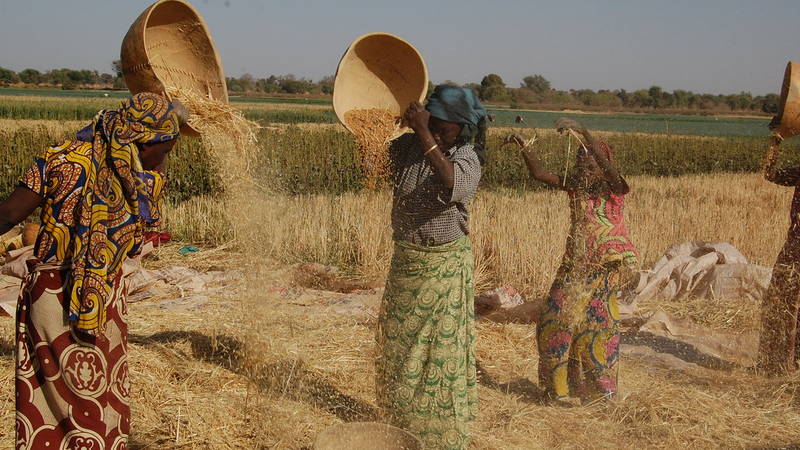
(169, 45)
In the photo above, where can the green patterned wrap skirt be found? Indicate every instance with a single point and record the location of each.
(426, 380)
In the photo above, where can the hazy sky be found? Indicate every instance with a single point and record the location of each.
(718, 46)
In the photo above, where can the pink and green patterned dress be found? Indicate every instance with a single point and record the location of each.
(578, 335)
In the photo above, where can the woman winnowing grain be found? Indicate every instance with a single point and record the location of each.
(426, 379)
(778, 349)
(577, 334)
(97, 192)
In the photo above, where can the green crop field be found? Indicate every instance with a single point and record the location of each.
(84, 108)
(643, 123)
(84, 93)
(317, 160)
(81, 105)
(324, 160)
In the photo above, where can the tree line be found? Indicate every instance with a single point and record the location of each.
(280, 84)
(65, 78)
(75, 79)
(535, 91)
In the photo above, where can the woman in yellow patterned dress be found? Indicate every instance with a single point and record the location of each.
(577, 334)
(97, 192)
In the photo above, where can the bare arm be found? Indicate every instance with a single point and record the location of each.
(612, 176)
(783, 177)
(610, 173)
(535, 167)
(537, 171)
(17, 207)
(441, 165)
(417, 118)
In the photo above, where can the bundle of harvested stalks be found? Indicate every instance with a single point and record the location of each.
(373, 128)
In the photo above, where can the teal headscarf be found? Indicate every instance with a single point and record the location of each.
(461, 105)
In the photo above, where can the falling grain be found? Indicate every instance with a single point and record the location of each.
(373, 129)
(226, 133)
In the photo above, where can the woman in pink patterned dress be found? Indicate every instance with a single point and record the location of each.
(577, 334)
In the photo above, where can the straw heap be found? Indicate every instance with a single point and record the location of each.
(373, 128)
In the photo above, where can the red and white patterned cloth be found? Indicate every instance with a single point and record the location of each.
(72, 388)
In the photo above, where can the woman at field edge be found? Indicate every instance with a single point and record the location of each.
(577, 334)
(426, 379)
(778, 349)
(97, 192)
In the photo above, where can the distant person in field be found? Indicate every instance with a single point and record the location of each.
(97, 192)
(577, 334)
(779, 349)
(426, 371)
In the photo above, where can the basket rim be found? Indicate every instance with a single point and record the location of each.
(789, 126)
(351, 48)
(144, 19)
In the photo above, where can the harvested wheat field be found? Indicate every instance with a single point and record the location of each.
(275, 357)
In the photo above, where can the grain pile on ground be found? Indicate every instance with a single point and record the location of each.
(373, 128)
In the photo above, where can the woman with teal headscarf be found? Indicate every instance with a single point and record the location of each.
(426, 376)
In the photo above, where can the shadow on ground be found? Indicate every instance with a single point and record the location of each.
(523, 388)
(682, 350)
(7, 348)
(286, 378)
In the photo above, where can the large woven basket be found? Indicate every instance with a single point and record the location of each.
(169, 45)
(366, 436)
(382, 71)
(789, 106)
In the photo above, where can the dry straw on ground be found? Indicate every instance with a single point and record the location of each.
(518, 237)
(276, 374)
(373, 128)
